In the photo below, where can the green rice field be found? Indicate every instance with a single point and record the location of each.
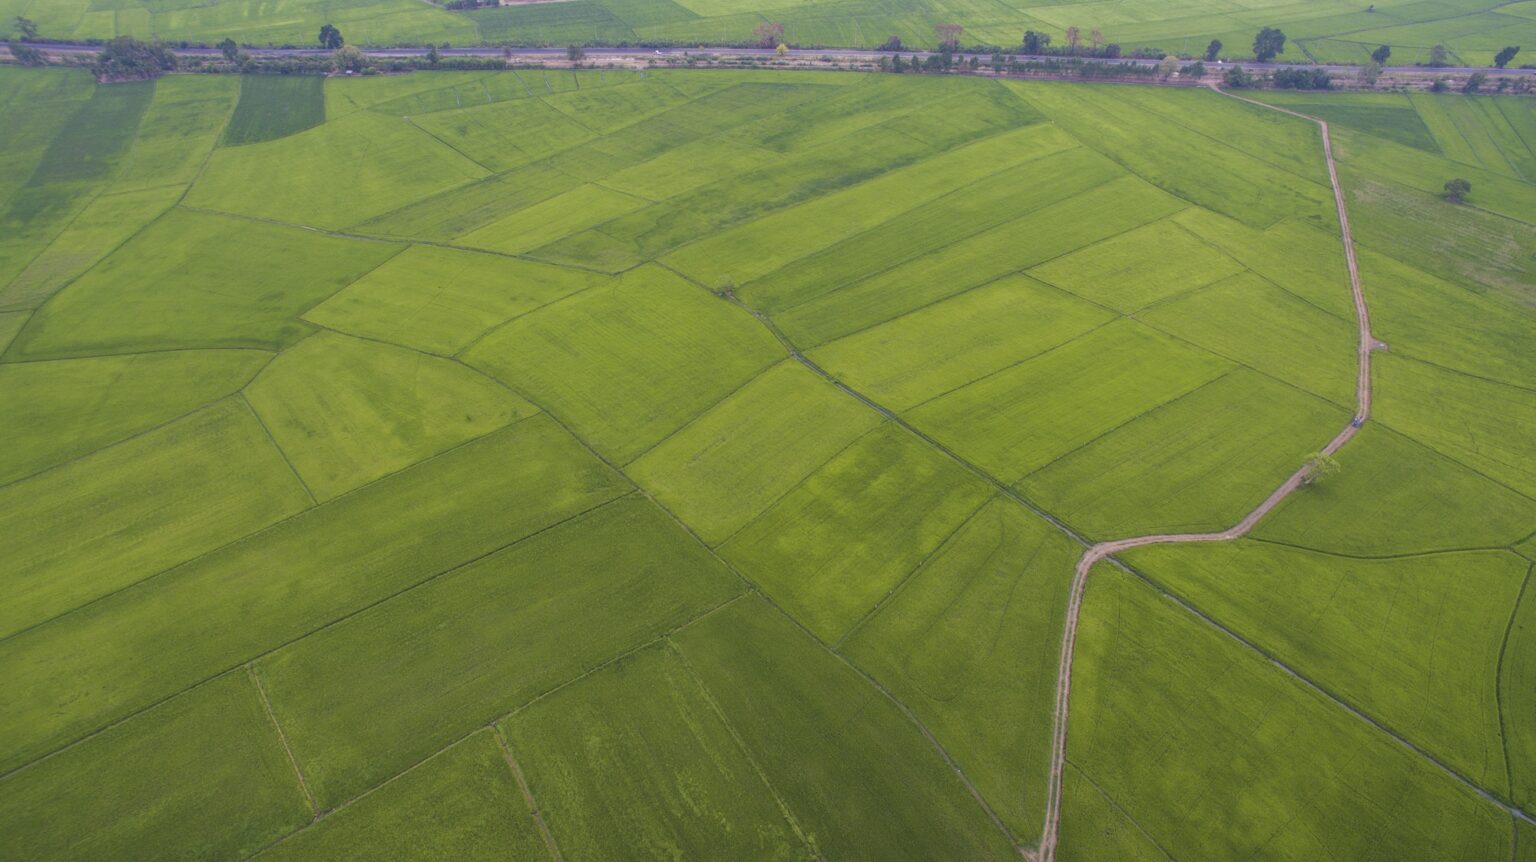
(692, 464)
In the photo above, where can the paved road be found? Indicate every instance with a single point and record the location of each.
(802, 53)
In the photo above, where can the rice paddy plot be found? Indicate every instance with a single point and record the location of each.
(439, 300)
(368, 697)
(182, 124)
(88, 529)
(81, 671)
(461, 803)
(275, 106)
(970, 642)
(1516, 674)
(659, 768)
(1405, 639)
(832, 548)
(1025, 416)
(855, 773)
(728, 465)
(1291, 255)
(1229, 443)
(626, 365)
(203, 774)
(504, 135)
(1138, 268)
(1164, 706)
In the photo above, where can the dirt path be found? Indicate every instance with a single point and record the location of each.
(1093, 555)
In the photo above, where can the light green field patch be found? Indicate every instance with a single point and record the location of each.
(344, 94)
(1249, 320)
(1300, 258)
(346, 411)
(1199, 463)
(832, 548)
(1480, 423)
(202, 775)
(453, 91)
(89, 528)
(627, 365)
(544, 222)
(944, 346)
(86, 669)
(1393, 495)
(1165, 707)
(608, 109)
(659, 773)
(462, 803)
(1027, 415)
(856, 774)
(340, 173)
(193, 280)
(735, 460)
(503, 135)
(180, 127)
(438, 300)
(106, 223)
(106, 399)
(10, 324)
(1140, 267)
(1412, 641)
(971, 644)
(1116, 206)
(1517, 688)
(1435, 112)
(689, 166)
(364, 699)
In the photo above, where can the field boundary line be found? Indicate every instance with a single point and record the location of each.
(1015, 363)
(746, 752)
(692, 420)
(1120, 808)
(251, 408)
(1498, 680)
(130, 714)
(1364, 347)
(299, 514)
(298, 772)
(1407, 555)
(433, 135)
(527, 793)
(1406, 354)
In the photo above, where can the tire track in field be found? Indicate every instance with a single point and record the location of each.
(1103, 550)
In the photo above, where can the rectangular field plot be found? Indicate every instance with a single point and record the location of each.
(347, 411)
(1024, 416)
(1249, 320)
(1408, 640)
(1135, 269)
(1297, 257)
(627, 365)
(637, 759)
(337, 174)
(1116, 206)
(971, 643)
(76, 673)
(1198, 463)
(1394, 495)
(438, 300)
(193, 280)
(504, 135)
(1482, 424)
(88, 528)
(942, 347)
(364, 699)
(856, 774)
(106, 399)
(181, 125)
(1165, 707)
(462, 803)
(202, 775)
(731, 463)
(832, 548)
(275, 106)
(553, 219)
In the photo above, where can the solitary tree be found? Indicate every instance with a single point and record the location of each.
(1437, 56)
(1074, 38)
(1368, 75)
(1269, 42)
(348, 58)
(433, 58)
(1212, 50)
(1237, 78)
(1319, 466)
(1097, 38)
(1380, 55)
(1502, 58)
(229, 49)
(949, 35)
(330, 37)
(892, 44)
(1474, 82)
(26, 28)
(768, 34)
(1457, 189)
(1036, 43)
(1167, 66)
(575, 53)
(25, 54)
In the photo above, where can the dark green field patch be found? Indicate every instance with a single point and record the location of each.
(275, 106)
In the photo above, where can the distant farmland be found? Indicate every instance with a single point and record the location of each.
(692, 464)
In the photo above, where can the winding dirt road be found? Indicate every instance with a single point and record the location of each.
(1050, 834)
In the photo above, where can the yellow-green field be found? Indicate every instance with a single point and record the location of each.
(693, 464)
